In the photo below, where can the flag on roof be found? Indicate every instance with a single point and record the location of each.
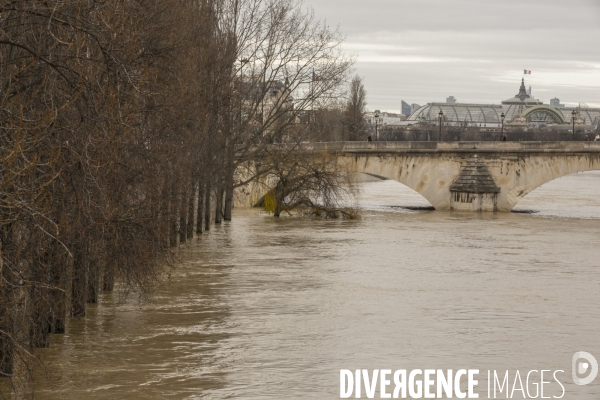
(527, 72)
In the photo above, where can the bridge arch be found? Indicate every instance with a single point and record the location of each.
(544, 113)
(430, 176)
(412, 198)
(554, 169)
(579, 181)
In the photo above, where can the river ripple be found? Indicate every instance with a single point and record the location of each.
(267, 308)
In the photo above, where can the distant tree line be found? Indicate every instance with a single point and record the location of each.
(122, 125)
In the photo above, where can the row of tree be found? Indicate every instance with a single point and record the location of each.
(122, 126)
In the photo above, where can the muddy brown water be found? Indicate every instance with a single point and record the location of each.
(266, 308)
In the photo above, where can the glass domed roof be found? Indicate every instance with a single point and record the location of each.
(459, 113)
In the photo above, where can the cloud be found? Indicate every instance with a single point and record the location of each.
(475, 50)
(355, 16)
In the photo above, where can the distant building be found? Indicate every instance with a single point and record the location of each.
(414, 107)
(372, 116)
(383, 118)
(450, 100)
(406, 110)
(555, 102)
(276, 96)
(515, 106)
(521, 109)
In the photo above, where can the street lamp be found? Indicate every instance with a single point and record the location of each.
(573, 114)
(441, 114)
(502, 129)
(376, 134)
(243, 62)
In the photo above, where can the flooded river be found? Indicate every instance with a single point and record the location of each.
(267, 308)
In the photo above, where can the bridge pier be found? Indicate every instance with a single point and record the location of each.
(474, 189)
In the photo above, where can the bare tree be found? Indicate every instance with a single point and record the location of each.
(313, 183)
(286, 61)
(93, 117)
(355, 108)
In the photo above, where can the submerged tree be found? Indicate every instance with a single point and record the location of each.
(309, 182)
(97, 133)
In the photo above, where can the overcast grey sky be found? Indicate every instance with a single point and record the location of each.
(425, 50)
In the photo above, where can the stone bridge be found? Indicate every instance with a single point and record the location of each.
(475, 176)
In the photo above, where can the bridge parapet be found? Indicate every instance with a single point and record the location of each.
(442, 147)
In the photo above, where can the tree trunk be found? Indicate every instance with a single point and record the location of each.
(14, 325)
(279, 195)
(93, 282)
(278, 206)
(228, 197)
(200, 208)
(174, 218)
(190, 223)
(7, 347)
(163, 217)
(219, 204)
(39, 302)
(39, 327)
(183, 216)
(58, 294)
(79, 287)
(207, 208)
(21, 354)
(229, 182)
(108, 282)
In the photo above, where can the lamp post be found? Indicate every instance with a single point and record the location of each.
(573, 114)
(376, 134)
(441, 114)
(502, 129)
